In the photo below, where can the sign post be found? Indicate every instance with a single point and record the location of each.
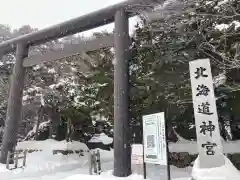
(144, 164)
(155, 140)
(205, 112)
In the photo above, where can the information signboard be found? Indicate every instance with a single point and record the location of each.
(154, 138)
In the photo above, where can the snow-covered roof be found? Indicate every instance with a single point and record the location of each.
(101, 138)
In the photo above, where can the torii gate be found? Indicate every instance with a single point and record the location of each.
(119, 13)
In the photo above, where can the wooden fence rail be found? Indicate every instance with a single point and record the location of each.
(95, 163)
(14, 156)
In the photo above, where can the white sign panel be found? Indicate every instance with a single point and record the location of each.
(205, 112)
(155, 147)
(137, 159)
(137, 154)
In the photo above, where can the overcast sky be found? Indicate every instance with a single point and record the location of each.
(43, 13)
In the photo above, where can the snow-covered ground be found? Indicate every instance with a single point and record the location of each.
(46, 166)
(43, 165)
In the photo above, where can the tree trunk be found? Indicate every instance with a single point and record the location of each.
(55, 121)
(222, 129)
(50, 130)
(69, 129)
(40, 118)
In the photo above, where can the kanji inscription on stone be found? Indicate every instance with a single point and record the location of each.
(200, 72)
(204, 108)
(205, 113)
(207, 128)
(203, 90)
(209, 148)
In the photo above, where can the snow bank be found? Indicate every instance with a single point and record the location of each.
(51, 145)
(106, 175)
(43, 163)
(101, 138)
(225, 172)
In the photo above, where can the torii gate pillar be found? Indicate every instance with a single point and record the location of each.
(122, 135)
(14, 109)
